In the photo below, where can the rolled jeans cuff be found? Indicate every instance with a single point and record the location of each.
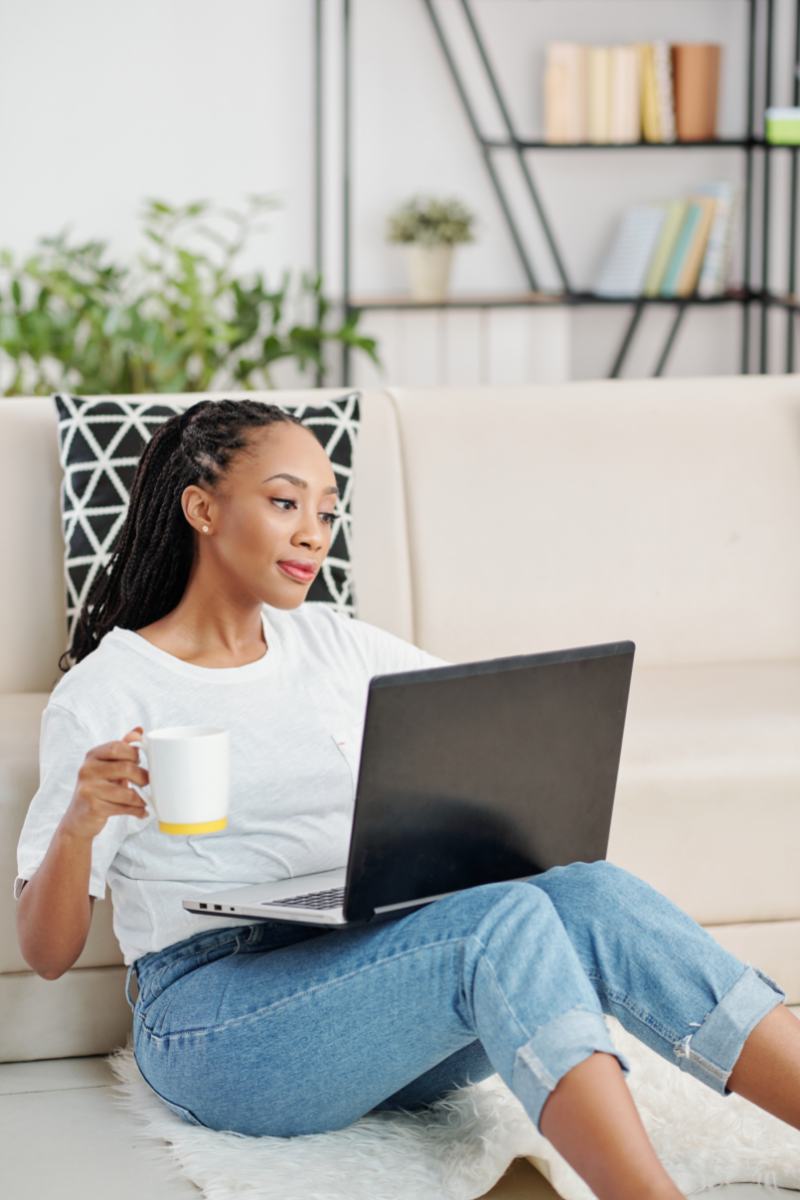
(554, 1050)
(710, 1054)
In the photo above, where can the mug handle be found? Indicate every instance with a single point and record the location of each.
(141, 748)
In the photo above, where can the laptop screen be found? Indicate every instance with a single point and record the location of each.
(486, 772)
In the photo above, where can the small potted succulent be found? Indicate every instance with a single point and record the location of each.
(429, 229)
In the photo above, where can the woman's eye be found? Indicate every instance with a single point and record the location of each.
(284, 505)
(328, 518)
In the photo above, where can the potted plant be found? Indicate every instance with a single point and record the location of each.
(429, 229)
(183, 319)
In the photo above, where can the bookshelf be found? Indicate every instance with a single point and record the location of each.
(755, 297)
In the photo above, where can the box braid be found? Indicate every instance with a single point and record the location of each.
(149, 570)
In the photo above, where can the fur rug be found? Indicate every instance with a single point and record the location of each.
(459, 1149)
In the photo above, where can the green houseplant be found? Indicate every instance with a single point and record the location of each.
(184, 318)
(430, 228)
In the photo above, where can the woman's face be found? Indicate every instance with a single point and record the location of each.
(268, 520)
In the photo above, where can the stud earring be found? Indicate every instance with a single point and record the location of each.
(205, 529)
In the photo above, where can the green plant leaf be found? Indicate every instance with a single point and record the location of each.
(182, 318)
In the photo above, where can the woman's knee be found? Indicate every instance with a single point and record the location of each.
(585, 893)
(513, 914)
(596, 882)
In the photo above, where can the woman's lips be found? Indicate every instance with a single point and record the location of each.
(300, 569)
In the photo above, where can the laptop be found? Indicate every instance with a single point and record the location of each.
(470, 774)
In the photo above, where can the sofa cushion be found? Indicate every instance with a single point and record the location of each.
(707, 799)
(665, 510)
(83, 1012)
(101, 442)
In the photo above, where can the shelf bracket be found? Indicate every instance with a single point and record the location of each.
(487, 158)
(668, 344)
(622, 354)
(512, 133)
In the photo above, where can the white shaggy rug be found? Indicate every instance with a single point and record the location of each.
(459, 1149)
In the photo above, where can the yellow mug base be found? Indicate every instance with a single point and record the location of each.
(200, 827)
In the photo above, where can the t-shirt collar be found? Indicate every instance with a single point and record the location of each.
(254, 670)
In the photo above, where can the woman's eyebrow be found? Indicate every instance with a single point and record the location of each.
(301, 483)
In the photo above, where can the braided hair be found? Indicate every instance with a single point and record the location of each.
(149, 569)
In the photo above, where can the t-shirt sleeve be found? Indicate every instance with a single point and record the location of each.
(64, 744)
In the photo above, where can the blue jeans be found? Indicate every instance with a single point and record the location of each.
(281, 1030)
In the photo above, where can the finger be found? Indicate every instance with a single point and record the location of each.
(119, 772)
(115, 770)
(121, 810)
(135, 735)
(118, 796)
(139, 777)
(112, 751)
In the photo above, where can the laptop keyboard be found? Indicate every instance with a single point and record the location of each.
(330, 899)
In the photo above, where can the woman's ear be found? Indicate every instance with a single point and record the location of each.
(196, 504)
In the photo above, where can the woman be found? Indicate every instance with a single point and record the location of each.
(271, 1029)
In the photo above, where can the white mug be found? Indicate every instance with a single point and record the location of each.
(189, 768)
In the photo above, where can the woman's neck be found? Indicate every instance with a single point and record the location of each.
(210, 631)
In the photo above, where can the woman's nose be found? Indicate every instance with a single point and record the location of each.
(307, 535)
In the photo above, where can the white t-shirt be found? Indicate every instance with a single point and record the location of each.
(295, 718)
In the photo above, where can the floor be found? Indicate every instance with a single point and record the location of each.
(62, 1137)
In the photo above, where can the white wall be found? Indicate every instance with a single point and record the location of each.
(103, 102)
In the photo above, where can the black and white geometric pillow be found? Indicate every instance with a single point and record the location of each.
(101, 441)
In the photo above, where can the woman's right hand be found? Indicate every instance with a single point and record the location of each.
(104, 789)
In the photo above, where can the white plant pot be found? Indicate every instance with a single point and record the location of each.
(429, 270)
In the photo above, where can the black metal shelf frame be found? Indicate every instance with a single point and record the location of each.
(749, 296)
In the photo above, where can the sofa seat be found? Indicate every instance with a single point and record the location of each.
(709, 752)
(707, 802)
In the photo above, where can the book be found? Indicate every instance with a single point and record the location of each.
(715, 271)
(625, 268)
(675, 215)
(695, 252)
(688, 228)
(599, 94)
(625, 122)
(662, 65)
(651, 123)
(695, 72)
(565, 93)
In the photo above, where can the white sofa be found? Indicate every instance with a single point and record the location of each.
(497, 521)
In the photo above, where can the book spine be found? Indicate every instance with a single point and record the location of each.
(714, 274)
(726, 258)
(674, 269)
(710, 283)
(633, 100)
(599, 94)
(577, 127)
(676, 212)
(619, 88)
(555, 87)
(565, 93)
(651, 124)
(662, 64)
(695, 70)
(697, 247)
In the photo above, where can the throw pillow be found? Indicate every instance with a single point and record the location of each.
(101, 441)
